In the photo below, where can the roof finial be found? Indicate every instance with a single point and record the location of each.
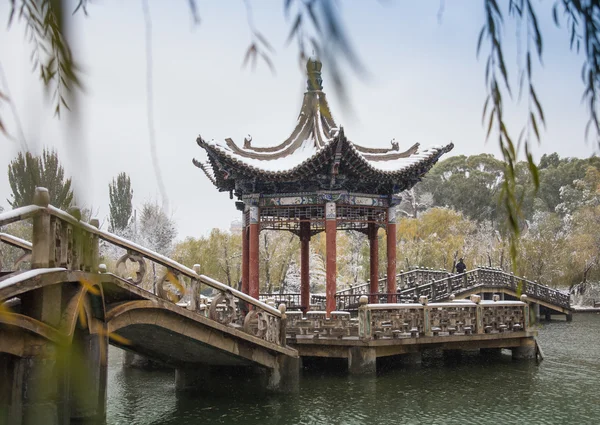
(313, 70)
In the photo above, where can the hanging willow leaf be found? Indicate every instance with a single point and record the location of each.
(294, 29)
(537, 104)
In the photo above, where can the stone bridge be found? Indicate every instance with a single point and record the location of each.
(57, 319)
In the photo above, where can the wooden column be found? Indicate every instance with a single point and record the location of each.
(253, 250)
(304, 266)
(245, 255)
(391, 253)
(330, 238)
(374, 262)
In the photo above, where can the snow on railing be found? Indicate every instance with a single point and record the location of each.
(66, 241)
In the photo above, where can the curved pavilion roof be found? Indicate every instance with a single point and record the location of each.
(316, 156)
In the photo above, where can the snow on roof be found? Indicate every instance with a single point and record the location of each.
(403, 163)
(279, 165)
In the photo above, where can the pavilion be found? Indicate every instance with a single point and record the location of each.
(316, 180)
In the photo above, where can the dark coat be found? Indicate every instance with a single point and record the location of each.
(460, 267)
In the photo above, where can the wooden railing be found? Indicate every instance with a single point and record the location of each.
(414, 320)
(61, 239)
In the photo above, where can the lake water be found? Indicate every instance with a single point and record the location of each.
(564, 388)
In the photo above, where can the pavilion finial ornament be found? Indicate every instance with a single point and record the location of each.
(395, 146)
(313, 71)
(248, 142)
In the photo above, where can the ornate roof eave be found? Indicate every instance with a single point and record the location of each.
(337, 151)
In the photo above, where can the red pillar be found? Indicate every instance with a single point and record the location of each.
(245, 258)
(330, 239)
(374, 262)
(391, 253)
(253, 250)
(304, 266)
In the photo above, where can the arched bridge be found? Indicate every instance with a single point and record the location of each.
(57, 319)
(440, 286)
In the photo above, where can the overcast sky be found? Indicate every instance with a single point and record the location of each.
(425, 85)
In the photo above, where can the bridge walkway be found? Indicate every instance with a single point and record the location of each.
(68, 301)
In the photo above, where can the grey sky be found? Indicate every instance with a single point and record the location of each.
(426, 85)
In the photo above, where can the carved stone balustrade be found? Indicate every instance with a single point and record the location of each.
(63, 240)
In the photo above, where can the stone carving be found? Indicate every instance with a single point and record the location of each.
(263, 325)
(134, 258)
(171, 286)
(223, 309)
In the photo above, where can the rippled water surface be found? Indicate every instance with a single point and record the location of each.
(564, 388)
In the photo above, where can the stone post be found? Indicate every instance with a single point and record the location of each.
(391, 253)
(426, 316)
(42, 254)
(478, 314)
(253, 252)
(195, 289)
(94, 249)
(44, 304)
(364, 319)
(374, 262)
(331, 265)
(305, 266)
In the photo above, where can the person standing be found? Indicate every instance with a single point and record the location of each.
(460, 266)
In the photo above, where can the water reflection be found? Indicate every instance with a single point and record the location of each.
(471, 390)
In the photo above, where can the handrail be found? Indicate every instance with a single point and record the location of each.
(399, 276)
(475, 272)
(23, 213)
(15, 241)
(161, 259)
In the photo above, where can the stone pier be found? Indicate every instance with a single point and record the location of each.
(362, 360)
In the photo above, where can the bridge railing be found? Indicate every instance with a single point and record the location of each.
(487, 277)
(414, 320)
(441, 289)
(61, 239)
(17, 243)
(404, 279)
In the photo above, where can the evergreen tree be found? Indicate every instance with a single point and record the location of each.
(120, 194)
(26, 172)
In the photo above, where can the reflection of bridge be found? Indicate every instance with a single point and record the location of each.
(57, 318)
